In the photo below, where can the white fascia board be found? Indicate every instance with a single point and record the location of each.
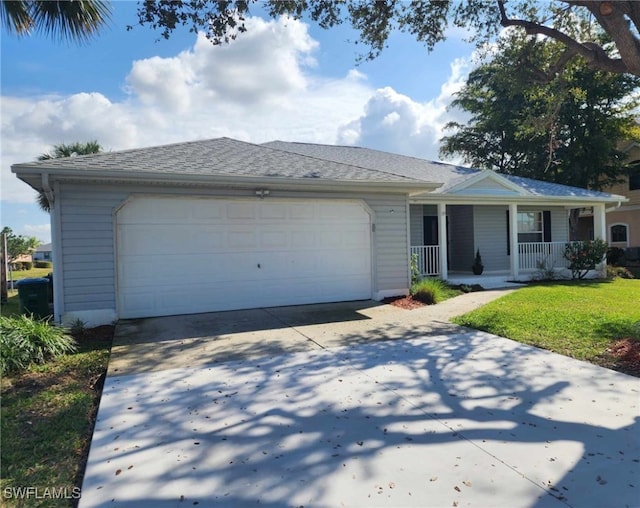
(229, 181)
(566, 201)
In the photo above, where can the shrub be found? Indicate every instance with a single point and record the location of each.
(25, 340)
(615, 256)
(584, 256)
(27, 265)
(429, 291)
(44, 264)
(415, 271)
(618, 272)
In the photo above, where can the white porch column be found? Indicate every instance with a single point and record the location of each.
(442, 240)
(599, 222)
(513, 241)
(600, 232)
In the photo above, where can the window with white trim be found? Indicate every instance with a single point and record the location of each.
(530, 227)
(619, 233)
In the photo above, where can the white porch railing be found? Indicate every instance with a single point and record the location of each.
(428, 259)
(532, 254)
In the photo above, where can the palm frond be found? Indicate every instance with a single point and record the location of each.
(73, 20)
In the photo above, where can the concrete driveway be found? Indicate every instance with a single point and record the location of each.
(356, 404)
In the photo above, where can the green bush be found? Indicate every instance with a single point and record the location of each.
(25, 340)
(44, 264)
(584, 256)
(27, 265)
(429, 291)
(615, 256)
(415, 271)
(618, 272)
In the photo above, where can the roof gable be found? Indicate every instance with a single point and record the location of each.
(487, 183)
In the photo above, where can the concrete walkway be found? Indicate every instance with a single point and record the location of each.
(357, 405)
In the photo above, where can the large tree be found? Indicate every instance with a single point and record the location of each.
(64, 150)
(566, 130)
(76, 20)
(427, 21)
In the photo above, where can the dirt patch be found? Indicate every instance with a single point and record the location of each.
(624, 355)
(404, 302)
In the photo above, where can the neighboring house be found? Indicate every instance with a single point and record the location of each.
(223, 224)
(623, 220)
(43, 253)
(17, 263)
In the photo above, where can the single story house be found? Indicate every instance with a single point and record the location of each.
(223, 224)
(43, 253)
(19, 262)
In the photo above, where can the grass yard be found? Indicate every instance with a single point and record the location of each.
(12, 306)
(34, 273)
(582, 319)
(47, 422)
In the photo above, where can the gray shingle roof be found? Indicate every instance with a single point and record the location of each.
(448, 174)
(541, 188)
(394, 164)
(227, 157)
(222, 156)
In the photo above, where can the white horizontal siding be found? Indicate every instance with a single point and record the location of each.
(88, 247)
(490, 227)
(391, 255)
(417, 228)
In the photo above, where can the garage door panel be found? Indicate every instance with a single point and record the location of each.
(270, 210)
(207, 210)
(241, 210)
(204, 255)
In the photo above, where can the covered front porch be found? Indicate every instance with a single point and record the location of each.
(515, 240)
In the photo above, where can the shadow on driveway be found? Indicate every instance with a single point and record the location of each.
(427, 419)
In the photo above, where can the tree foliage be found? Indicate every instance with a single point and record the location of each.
(427, 21)
(64, 150)
(565, 130)
(77, 20)
(17, 245)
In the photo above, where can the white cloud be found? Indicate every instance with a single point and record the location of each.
(264, 65)
(261, 87)
(397, 123)
(41, 231)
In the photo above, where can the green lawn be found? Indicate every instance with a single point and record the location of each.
(34, 273)
(47, 419)
(577, 319)
(12, 306)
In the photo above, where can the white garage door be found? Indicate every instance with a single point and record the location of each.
(189, 255)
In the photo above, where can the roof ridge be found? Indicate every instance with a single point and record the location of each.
(388, 172)
(313, 157)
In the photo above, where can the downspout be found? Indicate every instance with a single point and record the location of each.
(48, 191)
(56, 244)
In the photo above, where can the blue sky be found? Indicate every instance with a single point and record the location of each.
(282, 80)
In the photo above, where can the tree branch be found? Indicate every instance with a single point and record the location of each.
(592, 52)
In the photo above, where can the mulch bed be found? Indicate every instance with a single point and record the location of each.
(624, 355)
(404, 302)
